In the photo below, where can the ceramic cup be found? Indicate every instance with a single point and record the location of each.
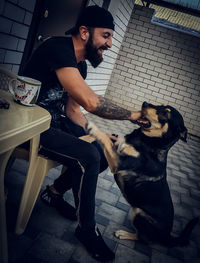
(25, 90)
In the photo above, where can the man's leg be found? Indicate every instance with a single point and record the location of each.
(74, 152)
(73, 172)
(64, 182)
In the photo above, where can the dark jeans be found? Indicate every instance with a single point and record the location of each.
(84, 162)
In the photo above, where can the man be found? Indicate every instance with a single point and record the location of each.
(59, 63)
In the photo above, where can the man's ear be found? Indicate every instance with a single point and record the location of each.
(84, 33)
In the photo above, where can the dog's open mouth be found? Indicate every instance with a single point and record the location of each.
(143, 122)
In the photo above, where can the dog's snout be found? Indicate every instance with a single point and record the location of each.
(145, 104)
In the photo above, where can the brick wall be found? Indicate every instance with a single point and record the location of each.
(98, 78)
(158, 65)
(15, 19)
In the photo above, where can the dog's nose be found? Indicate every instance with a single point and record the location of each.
(145, 104)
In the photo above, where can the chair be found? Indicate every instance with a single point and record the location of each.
(43, 166)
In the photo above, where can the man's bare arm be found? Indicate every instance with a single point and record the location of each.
(78, 89)
(107, 109)
(74, 112)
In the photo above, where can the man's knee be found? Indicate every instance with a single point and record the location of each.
(91, 154)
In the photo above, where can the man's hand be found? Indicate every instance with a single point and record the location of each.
(113, 137)
(135, 115)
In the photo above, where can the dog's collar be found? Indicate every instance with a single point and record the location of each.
(162, 143)
(140, 178)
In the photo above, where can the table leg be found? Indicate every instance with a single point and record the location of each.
(4, 157)
(24, 210)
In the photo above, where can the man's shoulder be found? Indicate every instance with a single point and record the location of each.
(57, 49)
(58, 41)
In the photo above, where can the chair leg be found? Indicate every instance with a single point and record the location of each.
(4, 157)
(30, 193)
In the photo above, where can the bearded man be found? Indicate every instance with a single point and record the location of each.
(59, 63)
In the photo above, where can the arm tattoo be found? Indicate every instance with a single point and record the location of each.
(107, 109)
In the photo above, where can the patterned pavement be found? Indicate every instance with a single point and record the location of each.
(49, 238)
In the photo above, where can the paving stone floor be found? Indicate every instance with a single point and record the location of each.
(49, 238)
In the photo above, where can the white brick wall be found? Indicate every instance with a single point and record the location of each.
(158, 65)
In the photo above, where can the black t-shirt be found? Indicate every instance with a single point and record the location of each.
(54, 53)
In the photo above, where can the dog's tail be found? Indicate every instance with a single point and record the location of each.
(183, 239)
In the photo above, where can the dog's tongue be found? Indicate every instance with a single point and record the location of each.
(142, 121)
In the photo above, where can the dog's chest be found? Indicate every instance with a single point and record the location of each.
(140, 159)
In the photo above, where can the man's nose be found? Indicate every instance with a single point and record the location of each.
(109, 43)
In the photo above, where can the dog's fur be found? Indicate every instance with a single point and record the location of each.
(138, 162)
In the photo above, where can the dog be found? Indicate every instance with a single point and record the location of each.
(138, 162)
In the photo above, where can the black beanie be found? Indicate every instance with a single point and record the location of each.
(93, 16)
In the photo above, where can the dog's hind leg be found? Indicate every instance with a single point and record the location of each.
(106, 144)
(121, 234)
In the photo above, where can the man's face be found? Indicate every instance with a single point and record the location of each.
(100, 39)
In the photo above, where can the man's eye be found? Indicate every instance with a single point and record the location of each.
(106, 36)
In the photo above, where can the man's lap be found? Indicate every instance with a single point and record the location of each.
(59, 145)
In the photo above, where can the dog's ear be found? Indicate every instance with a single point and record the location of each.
(165, 114)
(183, 133)
(178, 123)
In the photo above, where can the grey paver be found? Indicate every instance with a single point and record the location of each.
(51, 249)
(126, 255)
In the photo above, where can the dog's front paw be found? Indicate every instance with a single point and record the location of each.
(91, 129)
(121, 234)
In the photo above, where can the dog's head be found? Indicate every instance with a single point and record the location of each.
(162, 121)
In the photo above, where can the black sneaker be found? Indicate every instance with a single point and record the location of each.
(94, 243)
(57, 201)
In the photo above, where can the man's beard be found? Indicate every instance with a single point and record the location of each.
(92, 54)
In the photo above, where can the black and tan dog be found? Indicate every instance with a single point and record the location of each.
(138, 162)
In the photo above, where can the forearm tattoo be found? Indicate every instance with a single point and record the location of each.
(109, 110)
